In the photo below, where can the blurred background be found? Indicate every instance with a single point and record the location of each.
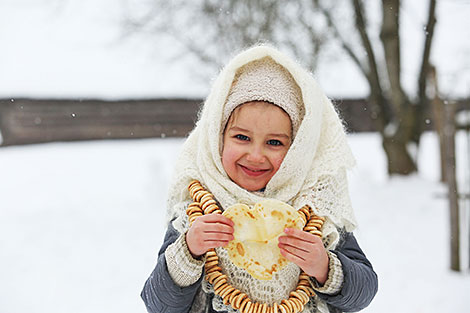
(96, 98)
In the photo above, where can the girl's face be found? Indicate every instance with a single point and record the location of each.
(256, 140)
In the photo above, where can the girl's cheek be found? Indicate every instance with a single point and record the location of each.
(228, 159)
(225, 162)
(278, 160)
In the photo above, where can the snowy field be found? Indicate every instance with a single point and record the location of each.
(81, 224)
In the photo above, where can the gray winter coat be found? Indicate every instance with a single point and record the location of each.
(162, 295)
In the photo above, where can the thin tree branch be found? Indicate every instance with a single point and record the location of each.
(366, 42)
(315, 39)
(379, 101)
(429, 34)
(424, 75)
(390, 38)
(345, 45)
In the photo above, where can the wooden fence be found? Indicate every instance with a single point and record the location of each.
(27, 121)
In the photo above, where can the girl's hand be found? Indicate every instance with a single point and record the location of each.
(307, 251)
(207, 232)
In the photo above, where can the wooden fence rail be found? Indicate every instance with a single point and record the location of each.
(27, 121)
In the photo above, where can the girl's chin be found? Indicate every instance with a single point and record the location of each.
(253, 186)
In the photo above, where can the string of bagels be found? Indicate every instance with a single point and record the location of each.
(204, 203)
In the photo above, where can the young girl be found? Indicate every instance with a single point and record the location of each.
(266, 131)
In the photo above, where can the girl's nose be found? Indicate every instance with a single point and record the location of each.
(256, 155)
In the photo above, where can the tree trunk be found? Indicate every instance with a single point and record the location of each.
(397, 136)
(390, 37)
(398, 157)
(391, 110)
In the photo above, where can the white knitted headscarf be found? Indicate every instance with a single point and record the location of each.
(313, 171)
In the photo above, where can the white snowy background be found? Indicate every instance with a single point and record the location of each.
(81, 223)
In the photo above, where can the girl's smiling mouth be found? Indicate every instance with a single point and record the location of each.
(253, 171)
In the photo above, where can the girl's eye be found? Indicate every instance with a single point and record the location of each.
(274, 142)
(242, 137)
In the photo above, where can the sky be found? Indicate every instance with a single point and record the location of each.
(79, 48)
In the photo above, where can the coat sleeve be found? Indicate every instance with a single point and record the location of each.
(160, 293)
(360, 281)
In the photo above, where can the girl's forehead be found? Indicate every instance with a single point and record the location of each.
(260, 107)
(262, 116)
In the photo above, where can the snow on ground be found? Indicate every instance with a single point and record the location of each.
(403, 228)
(81, 225)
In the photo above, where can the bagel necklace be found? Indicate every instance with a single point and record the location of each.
(204, 203)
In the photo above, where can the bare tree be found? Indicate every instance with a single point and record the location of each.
(212, 30)
(398, 118)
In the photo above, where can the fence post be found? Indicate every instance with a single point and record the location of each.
(451, 179)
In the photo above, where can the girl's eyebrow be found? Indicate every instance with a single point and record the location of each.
(279, 135)
(237, 128)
